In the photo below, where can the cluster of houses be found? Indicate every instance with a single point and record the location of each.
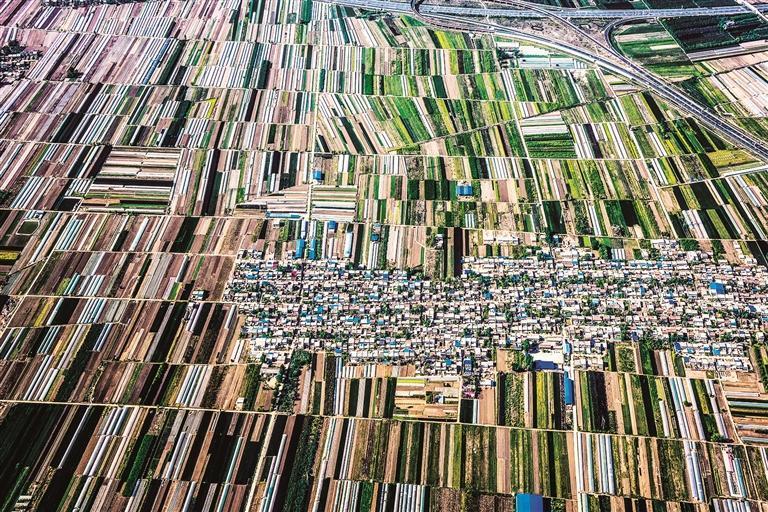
(15, 61)
(556, 305)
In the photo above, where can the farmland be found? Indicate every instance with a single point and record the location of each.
(290, 255)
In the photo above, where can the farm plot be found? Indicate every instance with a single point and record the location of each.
(379, 124)
(130, 275)
(652, 406)
(131, 180)
(719, 209)
(532, 399)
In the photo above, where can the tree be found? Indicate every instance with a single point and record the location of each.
(73, 74)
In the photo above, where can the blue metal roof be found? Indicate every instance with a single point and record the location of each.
(299, 249)
(529, 503)
(464, 190)
(568, 388)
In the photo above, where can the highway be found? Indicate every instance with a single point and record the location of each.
(638, 74)
(669, 93)
(497, 12)
(590, 13)
(618, 64)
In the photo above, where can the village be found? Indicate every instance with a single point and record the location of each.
(555, 307)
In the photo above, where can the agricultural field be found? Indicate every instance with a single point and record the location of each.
(648, 406)
(350, 440)
(719, 61)
(243, 118)
(291, 255)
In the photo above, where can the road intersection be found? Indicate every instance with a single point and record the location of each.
(498, 12)
(460, 18)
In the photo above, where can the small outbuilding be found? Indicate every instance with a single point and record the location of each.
(529, 503)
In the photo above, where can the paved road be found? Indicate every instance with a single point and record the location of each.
(638, 74)
(669, 93)
(590, 13)
(396, 6)
(619, 65)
